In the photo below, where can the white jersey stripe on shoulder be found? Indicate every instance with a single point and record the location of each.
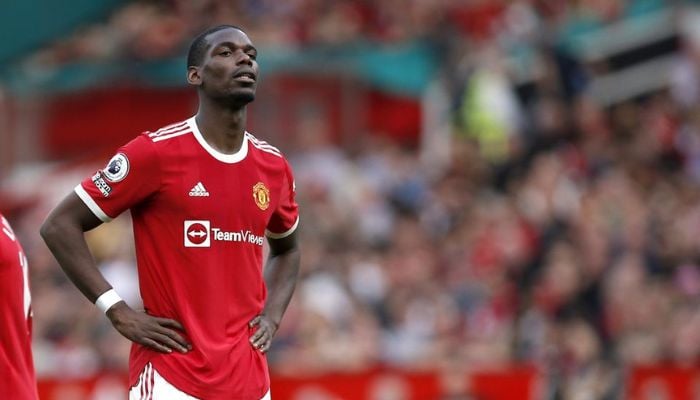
(163, 131)
(169, 132)
(173, 125)
(169, 128)
(252, 137)
(261, 142)
(267, 150)
(172, 135)
(268, 146)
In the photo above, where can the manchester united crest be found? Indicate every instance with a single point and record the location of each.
(261, 195)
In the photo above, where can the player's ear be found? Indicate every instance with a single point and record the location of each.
(193, 77)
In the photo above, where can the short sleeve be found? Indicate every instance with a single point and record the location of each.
(285, 218)
(129, 177)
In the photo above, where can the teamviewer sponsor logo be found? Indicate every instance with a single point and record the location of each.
(197, 234)
(239, 236)
(201, 234)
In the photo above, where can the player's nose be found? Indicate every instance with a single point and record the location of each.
(244, 59)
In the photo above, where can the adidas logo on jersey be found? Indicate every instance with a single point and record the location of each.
(199, 191)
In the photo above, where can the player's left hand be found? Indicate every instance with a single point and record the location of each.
(262, 338)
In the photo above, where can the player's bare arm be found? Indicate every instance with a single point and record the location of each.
(63, 231)
(281, 272)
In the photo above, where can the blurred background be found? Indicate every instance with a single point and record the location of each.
(499, 198)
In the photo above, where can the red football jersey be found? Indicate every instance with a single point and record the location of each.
(199, 219)
(17, 379)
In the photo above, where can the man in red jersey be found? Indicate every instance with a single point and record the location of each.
(203, 195)
(17, 380)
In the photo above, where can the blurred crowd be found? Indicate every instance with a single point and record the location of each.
(553, 231)
(579, 255)
(147, 30)
(154, 29)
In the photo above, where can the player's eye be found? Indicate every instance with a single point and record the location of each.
(226, 53)
(253, 56)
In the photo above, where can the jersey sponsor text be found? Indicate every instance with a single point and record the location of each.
(240, 236)
(101, 185)
(198, 233)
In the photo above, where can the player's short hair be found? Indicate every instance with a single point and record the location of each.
(199, 45)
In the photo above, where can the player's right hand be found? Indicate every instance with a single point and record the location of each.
(157, 333)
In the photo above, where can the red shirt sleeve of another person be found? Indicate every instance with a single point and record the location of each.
(17, 378)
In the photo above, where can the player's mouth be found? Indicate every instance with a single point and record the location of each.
(244, 77)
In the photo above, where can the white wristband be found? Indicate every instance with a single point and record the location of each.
(107, 300)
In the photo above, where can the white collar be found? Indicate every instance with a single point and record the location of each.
(223, 157)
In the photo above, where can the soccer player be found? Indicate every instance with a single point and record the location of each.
(203, 195)
(17, 379)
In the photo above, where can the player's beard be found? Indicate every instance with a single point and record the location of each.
(241, 98)
(235, 100)
(230, 97)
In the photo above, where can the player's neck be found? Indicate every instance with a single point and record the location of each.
(222, 128)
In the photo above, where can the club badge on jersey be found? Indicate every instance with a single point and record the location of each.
(261, 195)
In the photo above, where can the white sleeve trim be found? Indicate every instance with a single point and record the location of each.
(282, 235)
(85, 197)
